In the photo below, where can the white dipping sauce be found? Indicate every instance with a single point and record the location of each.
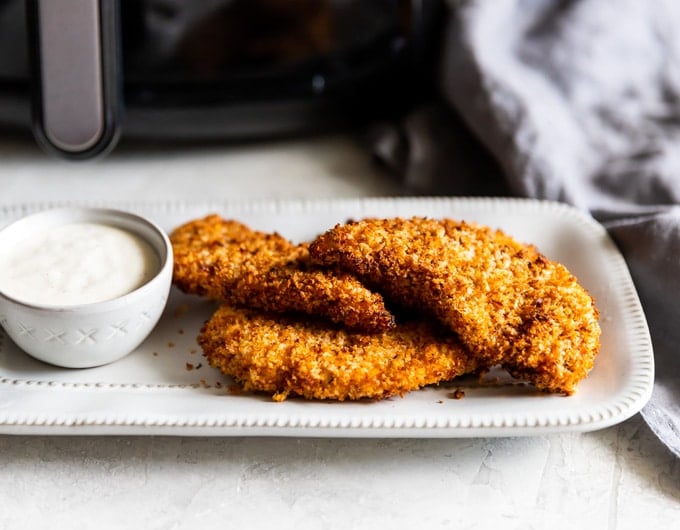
(77, 263)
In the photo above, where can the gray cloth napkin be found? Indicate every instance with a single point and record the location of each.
(577, 101)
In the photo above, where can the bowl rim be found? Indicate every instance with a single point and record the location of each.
(160, 243)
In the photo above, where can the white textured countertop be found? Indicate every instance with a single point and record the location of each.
(617, 478)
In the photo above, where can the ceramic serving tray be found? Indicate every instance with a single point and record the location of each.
(166, 387)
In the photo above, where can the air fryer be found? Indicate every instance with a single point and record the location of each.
(79, 73)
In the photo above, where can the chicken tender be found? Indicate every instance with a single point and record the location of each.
(284, 356)
(226, 260)
(211, 255)
(509, 304)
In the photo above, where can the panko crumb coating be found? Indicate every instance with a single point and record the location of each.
(285, 356)
(509, 304)
(225, 260)
(211, 253)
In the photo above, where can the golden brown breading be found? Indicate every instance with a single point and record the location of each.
(211, 254)
(286, 356)
(508, 303)
(226, 260)
(335, 295)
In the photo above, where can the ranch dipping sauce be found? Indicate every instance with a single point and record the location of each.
(77, 263)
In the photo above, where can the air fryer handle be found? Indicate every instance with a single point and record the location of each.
(75, 58)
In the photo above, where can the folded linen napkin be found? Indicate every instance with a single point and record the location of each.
(576, 101)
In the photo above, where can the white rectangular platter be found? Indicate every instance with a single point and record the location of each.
(166, 388)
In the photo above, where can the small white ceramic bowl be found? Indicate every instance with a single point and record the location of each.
(92, 334)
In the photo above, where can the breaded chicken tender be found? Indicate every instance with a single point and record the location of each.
(212, 253)
(509, 304)
(285, 356)
(226, 260)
